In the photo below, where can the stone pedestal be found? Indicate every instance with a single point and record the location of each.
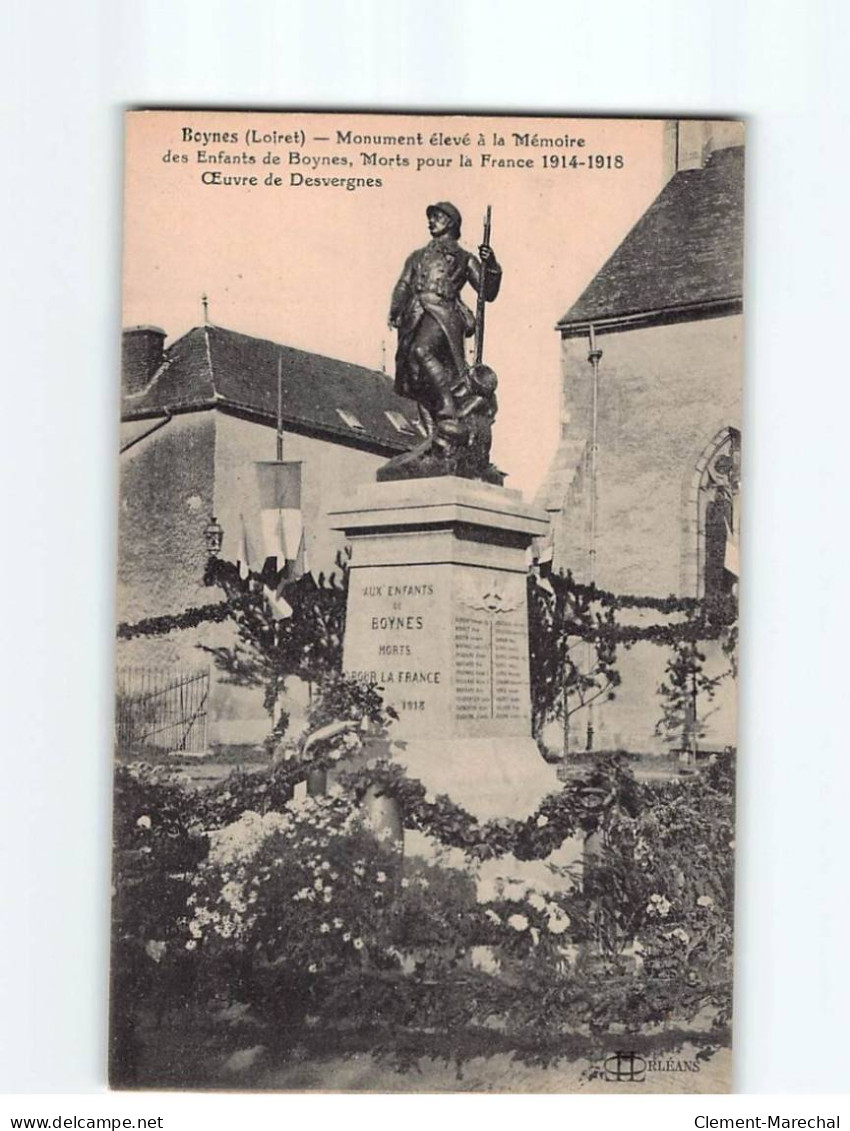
(437, 617)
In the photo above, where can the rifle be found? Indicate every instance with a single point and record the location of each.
(481, 304)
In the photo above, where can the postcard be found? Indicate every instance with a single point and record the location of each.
(425, 728)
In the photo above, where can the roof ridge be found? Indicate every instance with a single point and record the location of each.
(682, 253)
(294, 349)
(214, 367)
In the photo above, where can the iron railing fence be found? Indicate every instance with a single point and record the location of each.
(161, 709)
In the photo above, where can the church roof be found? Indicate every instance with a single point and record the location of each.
(683, 258)
(211, 367)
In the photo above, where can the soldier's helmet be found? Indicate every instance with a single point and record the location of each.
(447, 209)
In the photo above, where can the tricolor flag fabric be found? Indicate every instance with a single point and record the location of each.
(730, 558)
(278, 605)
(281, 524)
(544, 561)
(243, 556)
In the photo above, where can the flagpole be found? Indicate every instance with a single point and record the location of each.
(594, 357)
(279, 445)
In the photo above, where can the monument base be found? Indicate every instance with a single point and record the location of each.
(489, 777)
(437, 618)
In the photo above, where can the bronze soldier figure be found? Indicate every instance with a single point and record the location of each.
(431, 319)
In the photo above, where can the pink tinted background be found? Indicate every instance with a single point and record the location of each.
(314, 267)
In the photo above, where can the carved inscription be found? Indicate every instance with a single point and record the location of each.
(473, 668)
(391, 642)
(490, 658)
(451, 655)
(508, 659)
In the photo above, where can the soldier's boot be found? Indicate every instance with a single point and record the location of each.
(440, 381)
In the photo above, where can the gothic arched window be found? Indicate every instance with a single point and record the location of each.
(719, 514)
(711, 518)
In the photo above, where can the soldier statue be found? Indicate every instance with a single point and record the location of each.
(457, 402)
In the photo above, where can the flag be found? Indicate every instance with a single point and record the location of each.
(545, 583)
(281, 523)
(278, 605)
(244, 557)
(730, 558)
(544, 561)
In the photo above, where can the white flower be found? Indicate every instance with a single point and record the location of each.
(155, 949)
(424, 884)
(324, 929)
(233, 893)
(318, 885)
(492, 916)
(705, 901)
(542, 821)
(358, 944)
(535, 935)
(405, 883)
(518, 922)
(558, 924)
(337, 924)
(191, 944)
(359, 871)
(312, 968)
(537, 901)
(144, 822)
(483, 958)
(347, 936)
(381, 877)
(682, 936)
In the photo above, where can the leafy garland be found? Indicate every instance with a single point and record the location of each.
(173, 622)
(579, 808)
(707, 618)
(670, 604)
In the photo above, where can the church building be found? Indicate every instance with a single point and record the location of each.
(643, 489)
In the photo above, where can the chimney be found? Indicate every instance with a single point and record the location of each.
(142, 349)
(689, 143)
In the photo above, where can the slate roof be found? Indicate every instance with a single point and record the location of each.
(685, 252)
(211, 367)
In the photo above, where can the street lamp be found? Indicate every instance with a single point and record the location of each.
(213, 534)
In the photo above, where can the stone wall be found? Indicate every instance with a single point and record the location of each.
(665, 393)
(171, 482)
